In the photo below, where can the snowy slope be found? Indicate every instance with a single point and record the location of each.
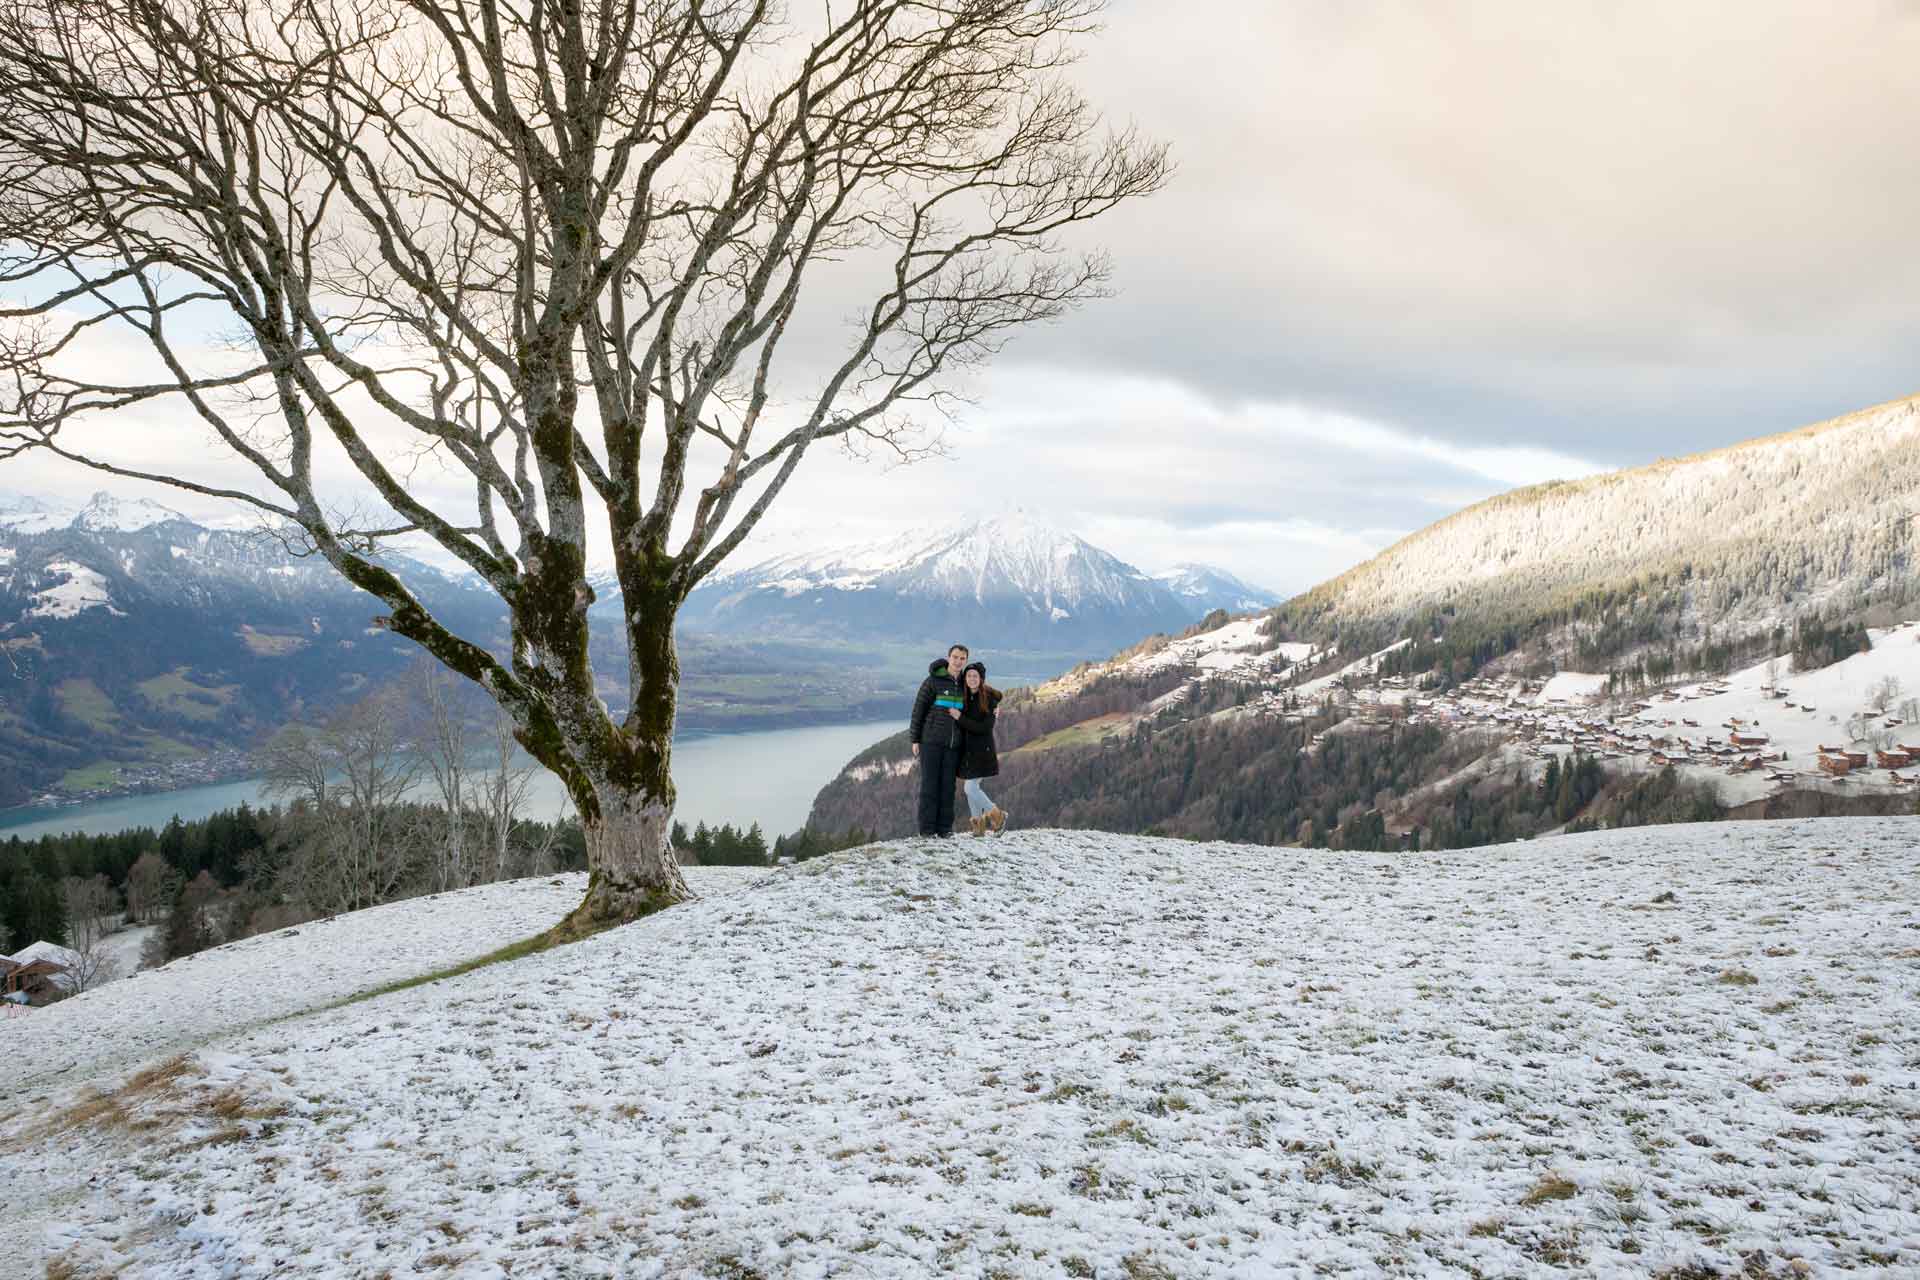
(156, 1012)
(1014, 578)
(1073, 1054)
(1761, 531)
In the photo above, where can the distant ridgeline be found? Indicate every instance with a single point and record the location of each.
(1685, 565)
(1321, 722)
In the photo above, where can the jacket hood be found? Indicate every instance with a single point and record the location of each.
(938, 667)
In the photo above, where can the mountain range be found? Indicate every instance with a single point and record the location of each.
(147, 649)
(1014, 581)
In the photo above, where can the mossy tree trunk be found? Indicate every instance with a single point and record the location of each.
(625, 793)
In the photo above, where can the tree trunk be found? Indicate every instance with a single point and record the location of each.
(632, 870)
(626, 810)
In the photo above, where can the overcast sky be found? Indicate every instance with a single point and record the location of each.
(1418, 253)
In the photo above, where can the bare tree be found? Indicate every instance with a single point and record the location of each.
(91, 907)
(349, 777)
(1884, 693)
(441, 740)
(1859, 726)
(557, 247)
(502, 794)
(151, 885)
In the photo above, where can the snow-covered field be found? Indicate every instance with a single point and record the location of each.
(1074, 1054)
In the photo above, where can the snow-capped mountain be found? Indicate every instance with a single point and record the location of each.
(1012, 581)
(1208, 588)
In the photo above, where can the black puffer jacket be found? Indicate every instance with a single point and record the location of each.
(979, 758)
(930, 724)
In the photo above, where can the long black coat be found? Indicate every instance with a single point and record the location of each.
(978, 756)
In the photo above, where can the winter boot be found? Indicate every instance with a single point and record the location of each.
(997, 819)
(979, 826)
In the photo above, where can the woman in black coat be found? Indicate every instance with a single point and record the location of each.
(978, 757)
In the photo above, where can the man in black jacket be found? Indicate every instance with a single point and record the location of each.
(936, 740)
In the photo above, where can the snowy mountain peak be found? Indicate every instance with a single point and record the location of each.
(106, 513)
(1216, 585)
(23, 513)
(1016, 576)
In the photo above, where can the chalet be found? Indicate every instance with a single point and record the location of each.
(1858, 759)
(1826, 750)
(40, 978)
(1748, 739)
(1911, 748)
(1892, 759)
(1839, 766)
(1691, 724)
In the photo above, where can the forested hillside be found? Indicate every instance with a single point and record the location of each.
(1818, 523)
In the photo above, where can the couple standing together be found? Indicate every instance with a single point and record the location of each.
(952, 736)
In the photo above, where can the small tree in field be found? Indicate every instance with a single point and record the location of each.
(558, 246)
(1884, 693)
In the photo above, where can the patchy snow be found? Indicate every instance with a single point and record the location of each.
(84, 589)
(1358, 669)
(1573, 686)
(1224, 647)
(1069, 1053)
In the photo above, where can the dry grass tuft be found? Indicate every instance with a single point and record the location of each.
(1550, 1187)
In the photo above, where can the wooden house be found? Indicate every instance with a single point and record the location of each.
(41, 981)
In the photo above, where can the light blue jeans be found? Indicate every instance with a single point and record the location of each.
(977, 802)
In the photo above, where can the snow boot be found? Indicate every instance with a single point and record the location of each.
(979, 826)
(997, 819)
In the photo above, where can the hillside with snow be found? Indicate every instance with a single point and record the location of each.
(146, 649)
(1665, 1051)
(1824, 518)
(1013, 581)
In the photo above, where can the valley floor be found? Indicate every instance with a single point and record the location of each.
(1075, 1054)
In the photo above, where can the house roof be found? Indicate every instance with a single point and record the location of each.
(49, 951)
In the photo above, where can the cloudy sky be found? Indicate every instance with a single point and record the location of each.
(1418, 253)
